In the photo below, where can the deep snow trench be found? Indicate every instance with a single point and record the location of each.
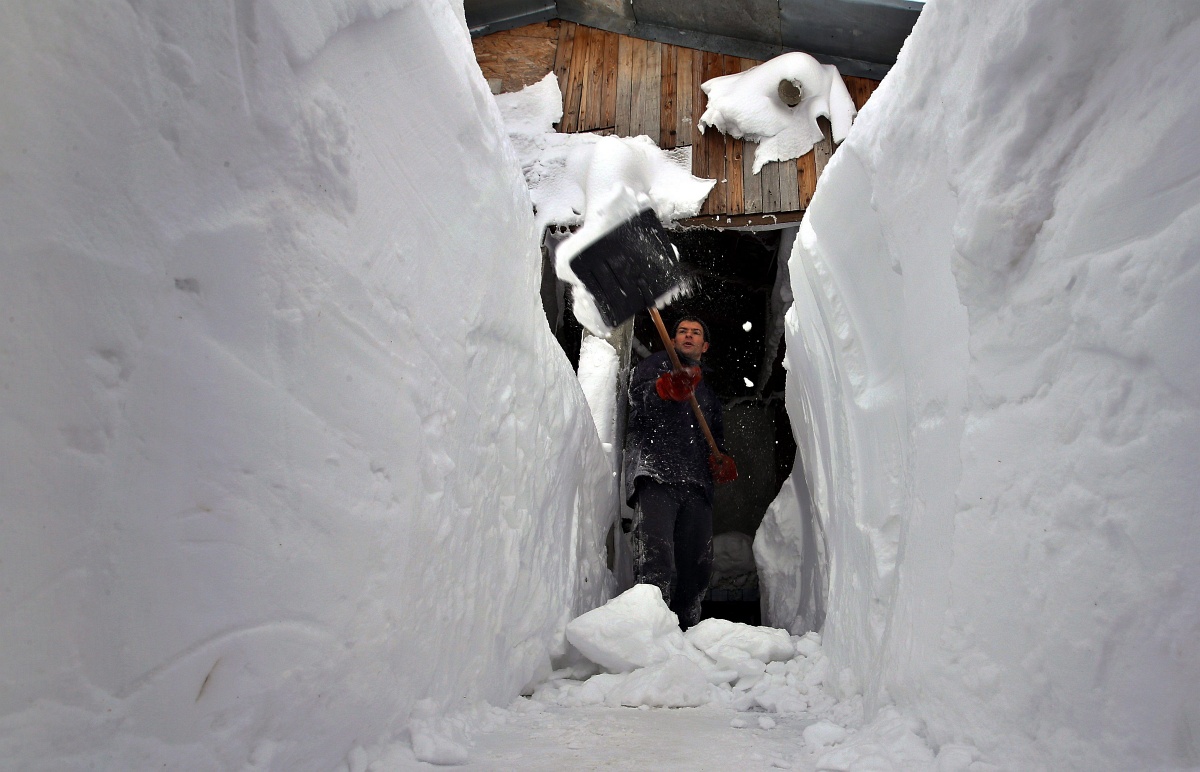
(293, 475)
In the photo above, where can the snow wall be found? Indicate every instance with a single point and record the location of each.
(287, 445)
(995, 380)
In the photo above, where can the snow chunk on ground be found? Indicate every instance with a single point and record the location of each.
(749, 105)
(633, 630)
(676, 683)
(717, 637)
(824, 733)
(437, 739)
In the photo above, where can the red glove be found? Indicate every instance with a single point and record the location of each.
(723, 468)
(678, 385)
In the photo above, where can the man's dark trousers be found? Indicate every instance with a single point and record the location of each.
(672, 544)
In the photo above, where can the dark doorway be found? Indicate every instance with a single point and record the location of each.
(734, 287)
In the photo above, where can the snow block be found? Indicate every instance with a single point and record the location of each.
(633, 630)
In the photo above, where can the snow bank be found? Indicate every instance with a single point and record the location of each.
(287, 447)
(749, 105)
(995, 381)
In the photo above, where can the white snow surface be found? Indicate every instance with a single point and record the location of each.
(598, 368)
(748, 105)
(994, 378)
(291, 461)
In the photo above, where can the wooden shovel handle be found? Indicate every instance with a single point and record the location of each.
(670, 346)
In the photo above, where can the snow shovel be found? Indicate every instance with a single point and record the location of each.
(629, 268)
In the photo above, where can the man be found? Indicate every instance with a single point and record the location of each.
(670, 473)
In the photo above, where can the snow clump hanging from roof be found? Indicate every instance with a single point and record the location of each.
(750, 105)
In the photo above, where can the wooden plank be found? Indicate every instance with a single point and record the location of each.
(667, 120)
(860, 89)
(608, 105)
(751, 182)
(647, 89)
(593, 82)
(770, 186)
(714, 145)
(735, 194)
(562, 60)
(789, 190)
(635, 102)
(653, 88)
(575, 77)
(734, 201)
(823, 149)
(622, 114)
(806, 177)
(515, 58)
(684, 122)
(699, 160)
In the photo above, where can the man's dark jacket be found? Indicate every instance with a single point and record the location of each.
(665, 440)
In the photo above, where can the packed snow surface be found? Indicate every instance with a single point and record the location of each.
(994, 377)
(291, 462)
(750, 105)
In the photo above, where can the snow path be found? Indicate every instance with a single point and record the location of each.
(628, 738)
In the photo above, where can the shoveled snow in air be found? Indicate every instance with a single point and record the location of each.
(754, 105)
(594, 181)
(572, 175)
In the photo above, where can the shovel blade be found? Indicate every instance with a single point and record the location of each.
(628, 268)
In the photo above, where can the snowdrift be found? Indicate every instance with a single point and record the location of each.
(995, 381)
(289, 453)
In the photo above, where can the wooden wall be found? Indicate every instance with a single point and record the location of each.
(615, 84)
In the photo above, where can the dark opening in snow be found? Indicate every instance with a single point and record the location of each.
(733, 277)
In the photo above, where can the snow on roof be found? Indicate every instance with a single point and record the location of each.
(749, 105)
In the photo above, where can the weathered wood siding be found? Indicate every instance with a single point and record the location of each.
(615, 84)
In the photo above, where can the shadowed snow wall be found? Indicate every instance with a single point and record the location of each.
(287, 444)
(995, 379)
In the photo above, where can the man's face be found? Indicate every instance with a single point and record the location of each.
(689, 339)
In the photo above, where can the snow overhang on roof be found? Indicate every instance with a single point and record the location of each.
(861, 37)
